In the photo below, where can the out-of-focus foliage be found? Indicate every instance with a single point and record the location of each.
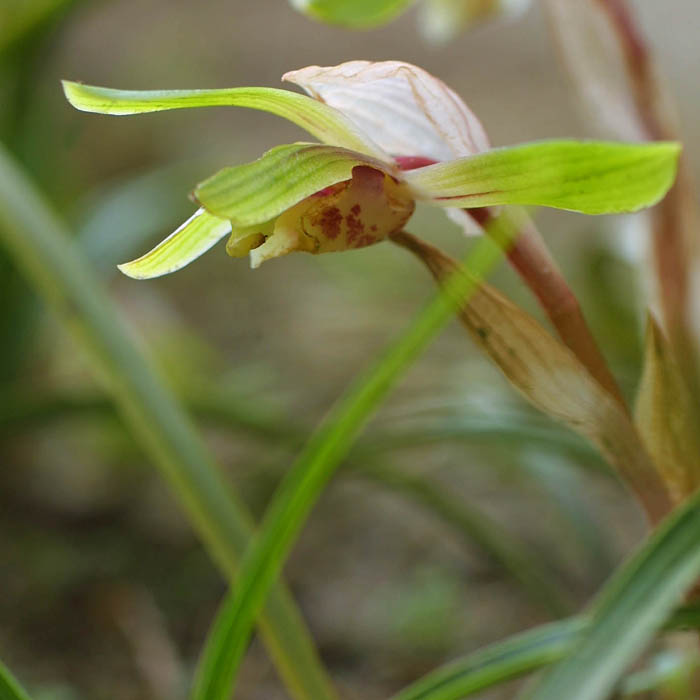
(665, 417)
(630, 609)
(355, 14)
(20, 17)
(439, 20)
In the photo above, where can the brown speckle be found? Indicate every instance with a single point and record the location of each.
(329, 221)
(355, 226)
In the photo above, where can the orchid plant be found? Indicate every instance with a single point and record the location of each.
(393, 135)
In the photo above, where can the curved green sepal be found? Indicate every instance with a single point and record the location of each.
(325, 123)
(256, 192)
(194, 238)
(355, 14)
(591, 177)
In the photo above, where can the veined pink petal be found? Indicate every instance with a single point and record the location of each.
(404, 109)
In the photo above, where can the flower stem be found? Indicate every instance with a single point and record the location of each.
(530, 257)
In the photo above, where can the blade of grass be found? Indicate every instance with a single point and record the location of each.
(515, 657)
(497, 663)
(46, 255)
(630, 609)
(523, 564)
(476, 528)
(299, 491)
(19, 412)
(10, 689)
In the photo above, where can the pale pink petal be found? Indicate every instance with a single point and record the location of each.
(401, 107)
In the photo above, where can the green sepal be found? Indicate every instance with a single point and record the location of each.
(326, 123)
(591, 177)
(256, 192)
(199, 233)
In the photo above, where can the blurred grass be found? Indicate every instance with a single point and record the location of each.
(35, 237)
(10, 689)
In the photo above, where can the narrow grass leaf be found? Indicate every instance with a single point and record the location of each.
(354, 14)
(325, 123)
(256, 192)
(630, 610)
(303, 484)
(497, 663)
(10, 689)
(592, 177)
(46, 255)
(18, 414)
(514, 657)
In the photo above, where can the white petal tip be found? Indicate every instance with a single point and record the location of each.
(130, 269)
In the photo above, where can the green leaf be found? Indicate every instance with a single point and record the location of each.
(551, 378)
(199, 233)
(47, 256)
(591, 177)
(497, 663)
(630, 610)
(664, 414)
(325, 123)
(355, 14)
(259, 191)
(512, 658)
(300, 489)
(10, 689)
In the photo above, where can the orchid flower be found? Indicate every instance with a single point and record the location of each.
(440, 20)
(391, 135)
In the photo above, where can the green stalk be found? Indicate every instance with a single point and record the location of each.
(10, 689)
(514, 657)
(44, 252)
(299, 491)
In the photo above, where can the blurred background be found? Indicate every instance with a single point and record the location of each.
(434, 544)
